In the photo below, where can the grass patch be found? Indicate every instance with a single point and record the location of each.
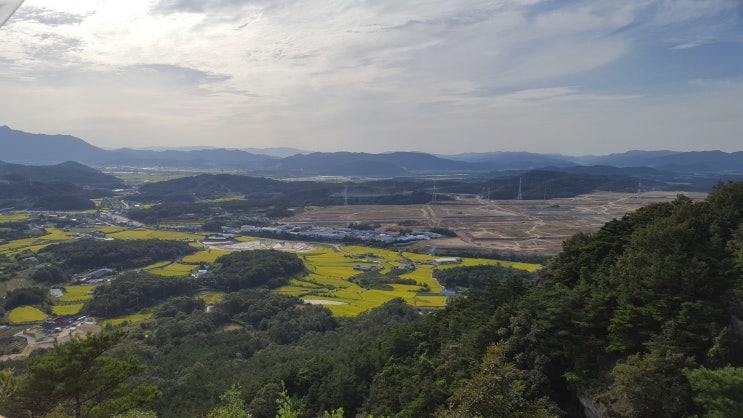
(211, 298)
(228, 199)
(13, 284)
(143, 177)
(23, 314)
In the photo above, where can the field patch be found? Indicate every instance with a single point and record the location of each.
(175, 269)
(110, 229)
(157, 265)
(24, 314)
(70, 309)
(144, 233)
(206, 256)
(77, 293)
(13, 217)
(138, 317)
(35, 243)
(486, 261)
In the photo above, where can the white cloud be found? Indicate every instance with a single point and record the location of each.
(369, 75)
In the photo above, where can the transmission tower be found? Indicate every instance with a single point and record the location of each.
(433, 195)
(345, 196)
(518, 196)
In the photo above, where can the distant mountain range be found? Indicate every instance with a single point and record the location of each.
(685, 168)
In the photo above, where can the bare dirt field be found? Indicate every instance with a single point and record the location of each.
(522, 227)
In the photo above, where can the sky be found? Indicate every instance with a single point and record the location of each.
(445, 77)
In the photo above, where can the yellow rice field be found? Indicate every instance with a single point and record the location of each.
(36, 243)
(144, 233)
(77, 293)
(328, 281)
(206, 256)
(23, 314)
(157, 265)
(110, 229)
(138, 317)
(13, 217)
(175, 269)
(487, 261)
(71, 309)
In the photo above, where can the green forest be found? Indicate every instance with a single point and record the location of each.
(641, 318)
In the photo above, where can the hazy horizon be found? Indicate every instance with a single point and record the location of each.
(573, 77)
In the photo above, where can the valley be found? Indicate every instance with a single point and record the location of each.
(346, 293)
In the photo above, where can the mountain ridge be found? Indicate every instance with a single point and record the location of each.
(27, 148)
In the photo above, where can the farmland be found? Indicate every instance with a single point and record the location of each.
(71, 309)
(23, 314)
(503, 227)
(36, 243)
(144, 233)
(331, 270)
(77, 293)
(13, 218)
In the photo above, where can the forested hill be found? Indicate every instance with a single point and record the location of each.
(640, 319)
(46, 196)
(65, 186)
(67, 172)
